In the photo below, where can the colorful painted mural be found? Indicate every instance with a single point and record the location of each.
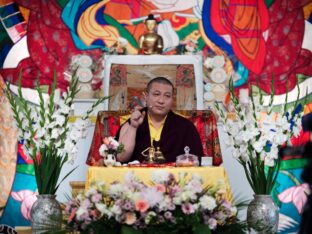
(257, 38)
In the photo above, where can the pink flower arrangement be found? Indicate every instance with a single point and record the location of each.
(166, 203)
(110, 146)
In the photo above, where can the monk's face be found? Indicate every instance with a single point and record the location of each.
(159, 99)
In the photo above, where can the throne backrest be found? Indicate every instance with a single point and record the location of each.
(108, 123)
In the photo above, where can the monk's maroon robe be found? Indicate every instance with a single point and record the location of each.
(177, 133)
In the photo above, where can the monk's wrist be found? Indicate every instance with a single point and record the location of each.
(131, 126)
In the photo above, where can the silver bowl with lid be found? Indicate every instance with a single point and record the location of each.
(187, 159)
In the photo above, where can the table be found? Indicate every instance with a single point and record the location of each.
(212, 176)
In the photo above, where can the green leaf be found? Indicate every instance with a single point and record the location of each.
(65, 178)
(130, 230)
(201, 229)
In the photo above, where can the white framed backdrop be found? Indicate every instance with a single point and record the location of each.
(148, 67)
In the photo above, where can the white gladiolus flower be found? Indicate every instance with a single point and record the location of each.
(281, 121)
(57, 96)
(236, 153)
(280, 138)
(20, 133)
(259, 145)
(40, 132)
(72, 155)
(74, 150)
(255, 130)
(51, 125)
(34, 114)
(234, 130)
(84, 133)
(55, 133)
(240, 124)
(247, 135)
(245, 157)
(60, 120)
(69, 144)
(64, 95)
(25, 123)
(61, 152)
(58, 144)
(269, 135)
(74, 134)
(82, 124)
(268, 161)
(251, 154)
(69, 100)
(243, 149)
(38, 144)
(229, 141)
(296, 131)
(273, 152)
(64, 108)
(27, 135)
(47, 126)
(263, 154)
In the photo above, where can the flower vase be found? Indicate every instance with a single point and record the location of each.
(262, 214)
(46, 214)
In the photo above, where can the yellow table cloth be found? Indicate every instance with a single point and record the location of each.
(212, 176)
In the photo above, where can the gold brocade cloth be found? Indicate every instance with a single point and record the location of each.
(212, 176)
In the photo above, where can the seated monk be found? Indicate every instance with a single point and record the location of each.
(158, 126)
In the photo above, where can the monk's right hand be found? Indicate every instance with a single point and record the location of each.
(136, 118)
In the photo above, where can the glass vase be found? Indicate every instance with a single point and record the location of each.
(46, 214)
(262, 214)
